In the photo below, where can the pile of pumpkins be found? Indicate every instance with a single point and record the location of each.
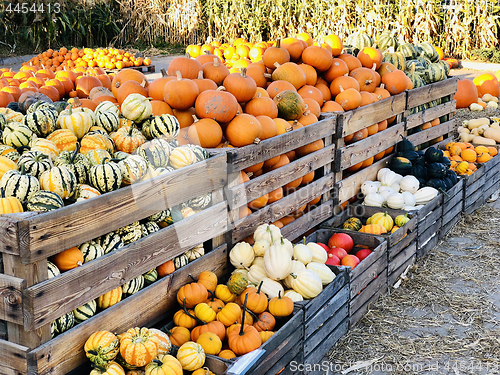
(378, 223)
(146, 351)
(480, 93)
(464, 156)
(482, 131)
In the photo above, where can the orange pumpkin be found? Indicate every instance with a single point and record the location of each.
(243, 130)
(180, 93)
(218, 105)
(344, 82)
(165, 269)
(317, 57)
(68, 259)
(487, 83)
(467, 93)
(370, 57)
(188, 68)
(206, 133)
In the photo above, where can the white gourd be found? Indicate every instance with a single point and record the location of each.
(268, 232)
(302, 253)
(256, 273)
(294, 296)
(377, 184)
(381, 173)
(277, 262)
(323, 271)
(241, 255)
(388, 178)
(271, 288)
(398, 178)
(395, 187)
(307, 283)
(425, 195)
(296, 268)
(385, 191)
(260, 247)
(319, 253)
(284, 242)
(409, 198)
(258, 261)
(395, 201)
(368, 187)
(410, 184)
(374, 200)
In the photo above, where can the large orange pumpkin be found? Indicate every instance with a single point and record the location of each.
(206, 133)
(243, 130)
(294, 47)
(466, 94)
(156, 87)
(345, 83)
(487, 83)
(365, 77)
(188, 67)
(241, 86)
(86, 83)
(335, 43)
(180, 93)
(318, 57)
(370, 57)
(127, 75)
(290, 72)
(68, 259)
(131, 87)
(218, 105)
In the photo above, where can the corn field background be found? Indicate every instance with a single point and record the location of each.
(458, 26)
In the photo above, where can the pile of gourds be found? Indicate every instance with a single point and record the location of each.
(481, 131)
(464, 156)
(378, 223)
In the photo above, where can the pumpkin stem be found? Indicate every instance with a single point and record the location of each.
(189, 314)
(262, 282)
(200, 74)
(196, 119)
(163, 72)
(267, 75)
(77, 150)
(131, 129)
(282, 241)
(192, 278)
(244, 72)
(2, 193)
(188, 55)
(270, 232)
(178, 75)
(277, 65)
(304, 240)
(242, 333)
(256, 141)
(212, 294)
(341, 89)
(158, 362)
(221, 88)
(253, 315)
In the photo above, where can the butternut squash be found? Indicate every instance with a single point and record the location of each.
(492, 105)
(482, 140)
(476, 107)
(477, 122)
(495, 125)
(489, 98)
(492, 134)
(482, 129)
(467, 138)
(463, 130)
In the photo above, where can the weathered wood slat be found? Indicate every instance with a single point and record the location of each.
(452, 212)
(308, 221)
(430, 114)
(425, 247)
(44, 302)
(358, 300)
(259, 186)
(400, 246)
(244, 227)
(426, 210)
(434, 216)
(145, 308)
(356, 316)
(290, 348)
(394, 277)
(244, 157)
(11, 298)
(373, 272)
(402, 257)
(429, 93)
(13, 358)
(366, 148)
(52, 232)
(9, 235)
(360, 118)
(432, 133)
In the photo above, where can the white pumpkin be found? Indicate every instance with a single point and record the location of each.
(381, 173)
(398, 178)
(385, 191)
(277, 262)
(256, 273)
(302, 253)
(425, 195)
(271, 288)
(368, 187)
(241, 255)
(323, 271)
(267, 232)
(409, 198)
(293, 295)
(395, 187)
(284, 242)
(259, 261)
(410, 184)
(388, 178)
(307, 283)
(374, 200)
(395, 201)
(319, 253)
(296, 268)
(377, 184)
(260, 247)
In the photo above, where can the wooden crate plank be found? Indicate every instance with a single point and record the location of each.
(452, 201)
(474, 205)
(430, 232)
(308, 221)
(394, 277)
(246, 226)
(360, 298)
(65, 352)
(456, 190)
(259, 186)
(452, 213)
(11, 298)
(44, 302)
(290, 350)
(368, 147)
(432, 133)
(431, 206)
(3, 330)
(9, 233)
(293, 366)
(430, 114)
(356, 317)
(360, 118)
(447, 227)
(372, 273)
(244, 157)
(431, 92)
(429, 220)
(402, 257)
(379, 252)
(429, 245)
(13, 358)
(396, 249)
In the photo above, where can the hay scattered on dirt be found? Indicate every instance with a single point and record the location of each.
(445, 312)
(466, 114)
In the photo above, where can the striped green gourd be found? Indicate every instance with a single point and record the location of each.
(446, 67)
(133, 286)
(387, 40)
(165, 126)
(106, 106)
(97, 156)
(45, 201)
(53, 270)
(396, 59)
(108, 120)
(60, 180)
(9, 152)
(35, 163)
(40, 105)
(200, 202)
(85, 312)
(434, 73)
(84, 191)
(424, 61)
(180, 261)
(429, 51)
(408, 50)
(156, 152)
(181, 157)
(16, 134)
(64, 323)
(91, 250)
(200, 152)
(3, 121)
(105, 177)
(130, 233)
(59, 106)
(110, 242)
(19, 184)
(163, 170)
(120, 155)
(75, 162)
(415, 64)
(150, 277)
(133, 169)
(359, 40)
(149, 228)
(159, 216)
(41, 122)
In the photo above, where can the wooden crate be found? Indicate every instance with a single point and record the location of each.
(65, 352)
(30, 238)
(443, 90)
(430, 219)
(453, 201)
(480, 185)
(238, 195)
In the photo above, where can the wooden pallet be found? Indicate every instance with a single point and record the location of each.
(238, 195)
(453, 202)
(65, 352)
(430, 219)
(142, 69)
(480, 185)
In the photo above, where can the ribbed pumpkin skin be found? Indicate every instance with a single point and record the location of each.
(16, 135)
(191, 356)
(396, 59)
(359, 40)
(91, 250)
(53, 270)
(10, 205)
(64, 139)
(128, 139)
(95, 140)
(106, 107)
(110, 298)
(41, 122)
(155, 152)
(200, 152)
(110, 242)
(97, 156)
(130, 233)
(150, 277)
(136, 107)
(18, 184)
(133, 169)
(133, 286)
(64, 323)
(161, 126)
(84, 191)
(45, 201)
(11, 154)
(352, 223)
(102, 347)
(76, 163)
(164, 364)
(108, 120)
(290, 105)
(149, 228)
(35, 163)
(60, 180)
(112, 368)
(182, 157)
(138, 346)
(387, 40)
(105, 177)
(76, 121)
(85, 312)
(180, 261)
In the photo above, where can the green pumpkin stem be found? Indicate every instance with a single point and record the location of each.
(70, 109)
(158, 362)
(282, 240)
(77, 150)
(270, 232)
(242, 333)
(131, 129)
(260, 285)
(304, 240)
(212, 294)
(23, 170)
(255, 316)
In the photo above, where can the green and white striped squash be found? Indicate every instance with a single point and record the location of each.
(19, 184)
(110, 242)
(180, 261)
(165, 126)
(84, 192)
(159, 216)
(416, 79)
(424, 61)
(40, 105)
(85, 312)
(359, 40)
(133, 169)
(149, 228)
(415, 64)
(105, 177)
(106, 106)
(156, 152)
(130, 233)
(97, 156)
(9, 152)
(91, 250)
(42, 122)
(387, 40)
(162, 170)
(53, 329)
(200, 152)
(16, 134)
(45, 201)
(133, 286)
(396, 59)
(445, 66)
(200, 202)
(77, 163)
(61, 180)
(434, 73)
(64, 323)
(120, 155)
(181, 157)
(12, 116)
(35, 163)
(53, 270)
(429, 51)
(136, 107)
(408, 50)
(108, 120)
(3, 121)
(150, 277)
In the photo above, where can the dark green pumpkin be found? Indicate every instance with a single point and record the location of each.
(14, 106)
(422, 182)
(400, 165)
(446, 161)
(436, 170)
(404, 145)
(419, 172)
(429, 51)
(452, 176)
(448, 183)
(433, 155)
(408, 50)
(410, 155)
(396, 59)
(352, 223)
(28, 98)
(437, 183)
(60, 106)
(44, 201)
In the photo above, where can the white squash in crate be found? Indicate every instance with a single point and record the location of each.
(385, 191)
(409, 208)
(296, 268)
(284, 242)
(277, 262)
(410, 184)
(381, 173)
(307, 283)
(425, 195)
(368, 187)
(377, 184)
(374, 200)
(398, 178)
(260, 247)
(409, 198)
(319, 253)
(302, 253)
(268, 232)
(241, 255)
(395, 201)
(323, 271)
(395, 187)
(256, 273)
(258, 261)
(388, 178)
(271, 288)
(294, 296)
